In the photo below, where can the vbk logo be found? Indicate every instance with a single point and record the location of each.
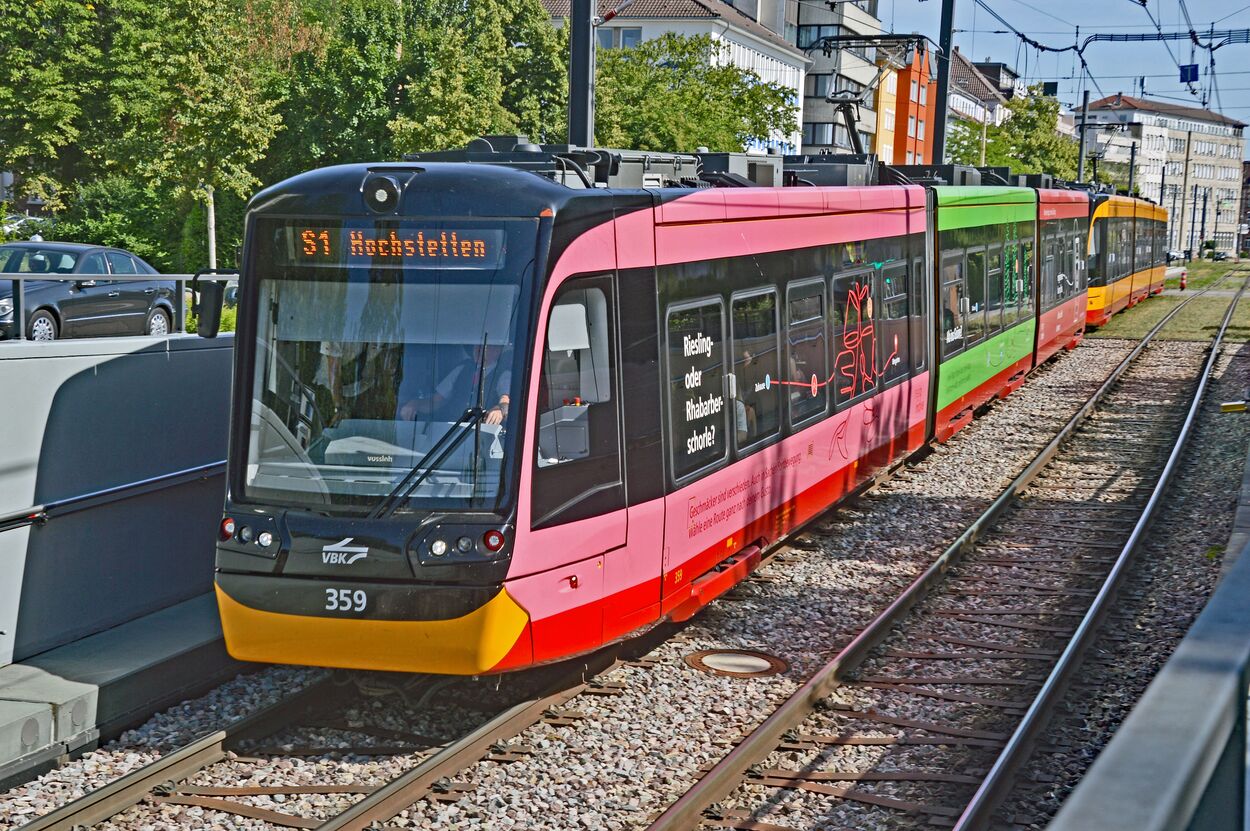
(343, 553)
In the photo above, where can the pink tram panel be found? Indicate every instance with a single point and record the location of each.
(594, 580)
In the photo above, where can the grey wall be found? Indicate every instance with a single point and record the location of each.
(81, 416)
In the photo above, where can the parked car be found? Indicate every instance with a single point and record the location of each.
(1219, 256)
(90, 307)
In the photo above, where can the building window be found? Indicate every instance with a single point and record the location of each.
(914, 85)
(891, 84)
(920, 133)
(911, 126)
(846, 84)
(911, 157)
(924, 94)
(818, 133)
(615, 37)
(817, 86)
(809, 36)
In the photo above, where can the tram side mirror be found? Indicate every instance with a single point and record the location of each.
(567, 329)
(208, 296)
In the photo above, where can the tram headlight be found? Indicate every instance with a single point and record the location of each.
(246, 534)
(464, 545)
(438, 548)
(226, 531)
(264, 539)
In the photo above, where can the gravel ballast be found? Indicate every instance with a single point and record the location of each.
(632, 754)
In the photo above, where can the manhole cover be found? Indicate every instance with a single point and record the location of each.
(737, 663)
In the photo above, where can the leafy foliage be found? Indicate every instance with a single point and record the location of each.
(120, 113)
(677, 93)
(1026, 141)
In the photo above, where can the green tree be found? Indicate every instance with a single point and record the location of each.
(1028, 140)
(338, 94)
(451, 77)
(677, 92)
(535, 72)
(963, 141)
(47, 53)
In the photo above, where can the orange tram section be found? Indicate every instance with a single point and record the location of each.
(1127, 254)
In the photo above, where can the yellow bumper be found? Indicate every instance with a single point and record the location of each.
(467, 645)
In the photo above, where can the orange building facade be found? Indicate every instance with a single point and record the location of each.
(915, 107)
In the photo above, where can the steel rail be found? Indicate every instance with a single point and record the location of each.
(997, 784)
(687, 811)
(129, 790)
(405, 790)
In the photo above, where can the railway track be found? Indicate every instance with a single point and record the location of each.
(922, 720)
(434, 761)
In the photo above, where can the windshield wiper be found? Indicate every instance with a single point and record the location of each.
(429, 463)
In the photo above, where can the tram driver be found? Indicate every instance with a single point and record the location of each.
(457, 390)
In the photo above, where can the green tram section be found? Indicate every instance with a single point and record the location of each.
(985, 238)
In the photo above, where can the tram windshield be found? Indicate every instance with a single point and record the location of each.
(372, 341)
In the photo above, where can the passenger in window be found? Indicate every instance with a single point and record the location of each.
(457, 391)
(751, 383)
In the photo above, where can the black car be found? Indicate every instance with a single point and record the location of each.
(89, 307)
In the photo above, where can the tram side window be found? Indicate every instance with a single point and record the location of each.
(696, 382)
(577, 466)
(1007, 279)
(756, 362)
(994, 318)
(974, 315)
(1024, 277)
(919, 331)
(1050, 268)
(807, 355)
(1096, 267)
(892, 350)
(855, 369)
(951, 303)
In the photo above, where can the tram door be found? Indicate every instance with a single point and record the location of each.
(578, 518)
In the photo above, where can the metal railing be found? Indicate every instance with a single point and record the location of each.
(184, 282)
(39, 514)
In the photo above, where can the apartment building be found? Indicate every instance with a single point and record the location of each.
(917, 106)
(1188, 159)
(844, 70)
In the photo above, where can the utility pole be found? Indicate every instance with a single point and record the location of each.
(1206, 192)
(1163, 180)
(1080, 134)
(1193, 221)
(1180, 229)
(1132, 166)
(1174, 236)
(1215, 231)
(582, 73)
(945, 40)
(210, 204)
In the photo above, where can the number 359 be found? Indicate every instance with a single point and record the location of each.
(346, 600)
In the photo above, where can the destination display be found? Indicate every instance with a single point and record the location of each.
(461, 248)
